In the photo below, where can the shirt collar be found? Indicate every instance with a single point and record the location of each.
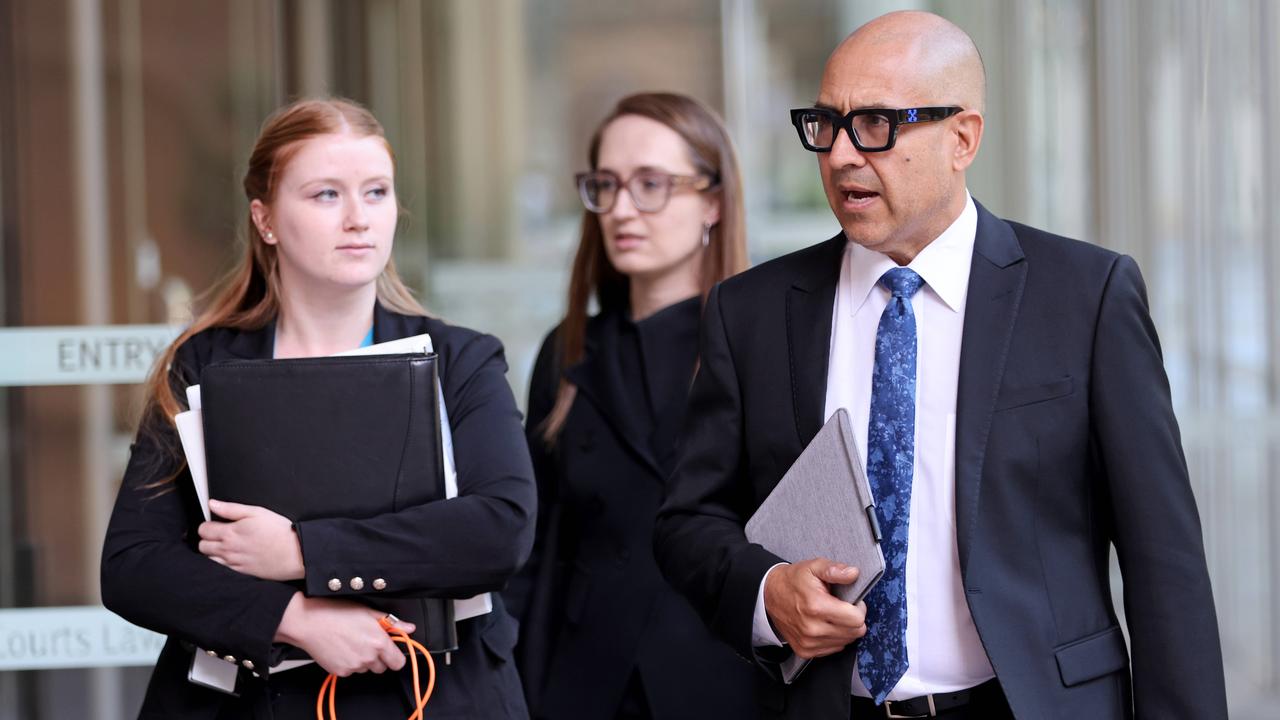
(943, 263)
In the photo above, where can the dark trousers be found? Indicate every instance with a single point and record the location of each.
(986, 702)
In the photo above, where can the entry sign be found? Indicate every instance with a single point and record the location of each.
(73, 637)
(81, 355)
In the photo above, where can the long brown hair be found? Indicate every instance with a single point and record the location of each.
(249, 297)
(711, 152)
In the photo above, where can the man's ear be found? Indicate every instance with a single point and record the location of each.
(968, 132)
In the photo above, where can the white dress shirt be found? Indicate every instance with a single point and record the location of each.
(944, 653)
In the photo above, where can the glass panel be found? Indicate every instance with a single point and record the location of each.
(125, 124)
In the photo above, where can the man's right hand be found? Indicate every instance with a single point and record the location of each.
(805, 613)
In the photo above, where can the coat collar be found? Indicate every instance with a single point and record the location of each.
(996, 281)
(679, 328)
(809, 304)
(249, 344)
(260, 344)
(598, 378)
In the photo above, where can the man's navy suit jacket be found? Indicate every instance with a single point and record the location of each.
(1066, 445)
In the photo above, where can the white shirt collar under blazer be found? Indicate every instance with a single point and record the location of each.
(943, 263)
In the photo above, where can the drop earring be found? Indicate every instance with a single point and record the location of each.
(706, 234)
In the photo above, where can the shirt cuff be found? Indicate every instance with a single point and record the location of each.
(762, 634)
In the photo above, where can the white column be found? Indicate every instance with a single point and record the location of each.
(143, 253)
(93, 265)
(8, 681)
(257, 53)
(314, 50)
(746, 58)
(1268, 24)
(397, 87)
(1117, 157)
(486, 94)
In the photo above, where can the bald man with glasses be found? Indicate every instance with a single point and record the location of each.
(1008, 393)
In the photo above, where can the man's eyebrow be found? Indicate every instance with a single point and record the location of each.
(872, 106)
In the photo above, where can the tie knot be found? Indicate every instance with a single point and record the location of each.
(902, 282)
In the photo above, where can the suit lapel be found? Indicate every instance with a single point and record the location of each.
(260, 344)
(668, 421)
(598, 379)
(248, 345)
(809, 305)
(997, 277)
(388, 325)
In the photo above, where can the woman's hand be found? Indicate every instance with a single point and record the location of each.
(253, 540)
(342, 636)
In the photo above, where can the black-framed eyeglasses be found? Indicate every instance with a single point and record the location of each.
(650, 189)
(870, 129)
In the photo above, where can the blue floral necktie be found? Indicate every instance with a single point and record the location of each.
(882, 652)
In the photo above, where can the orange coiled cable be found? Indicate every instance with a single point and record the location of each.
(330, 684)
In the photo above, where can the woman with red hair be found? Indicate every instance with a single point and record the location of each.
(316, 279)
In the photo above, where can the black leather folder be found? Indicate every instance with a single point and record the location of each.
(351, 437)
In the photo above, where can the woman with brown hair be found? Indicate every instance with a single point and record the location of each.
(602, 635)
(317, 279)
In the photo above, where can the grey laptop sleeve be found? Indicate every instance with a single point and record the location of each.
(823, 507)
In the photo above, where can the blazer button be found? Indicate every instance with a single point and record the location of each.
(335, 584)
(248, 664)
(231, 659)
(379, 584)
(357, 583)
